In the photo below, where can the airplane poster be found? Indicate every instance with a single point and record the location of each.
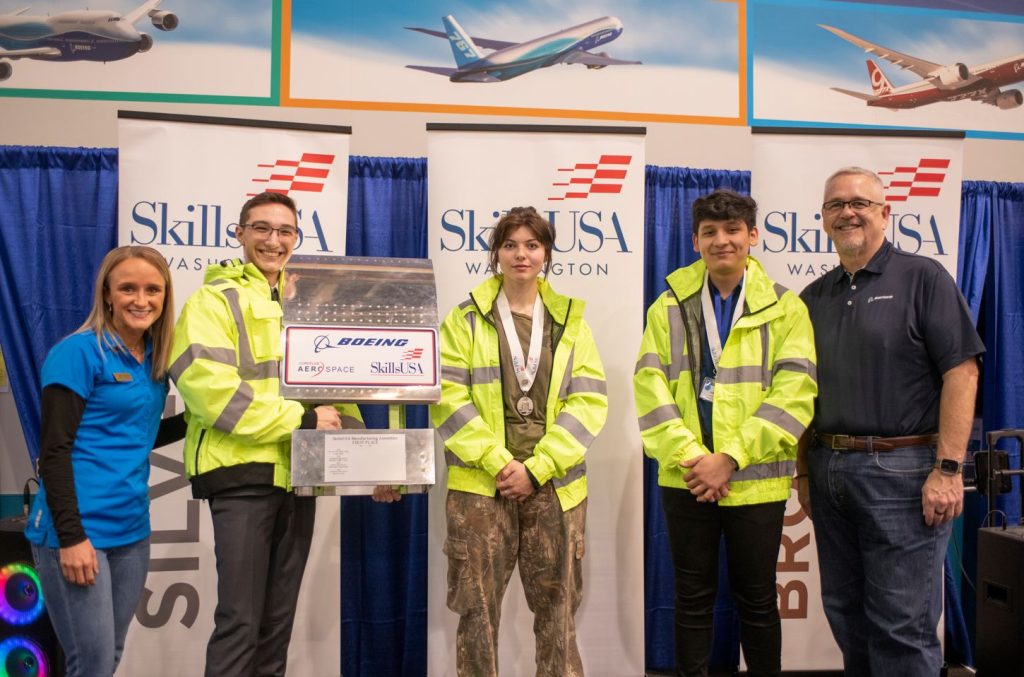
(886, 66)
(170, 50)
(662, 60)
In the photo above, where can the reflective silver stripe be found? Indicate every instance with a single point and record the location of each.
(658, 415)
(451, 459)
(563, 387)
(801, 365)
(468, 303)
(352, 423)
(200, 352)
(455, 375)
(486, 374)
(766, 373)
(583, 384)
(651, 361)
(733, 375)
(575, 428)
(677, 343)
(781, 418)
(267, 369)
(235, 408)
(764, 471)
(245, 357)
(571, 475)
(780, 289)
(457, 420)
(218, 282)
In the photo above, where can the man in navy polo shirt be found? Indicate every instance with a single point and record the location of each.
(881, 479)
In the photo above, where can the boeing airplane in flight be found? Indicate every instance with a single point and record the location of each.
(953, 82)
(80, 35)
(512, 59)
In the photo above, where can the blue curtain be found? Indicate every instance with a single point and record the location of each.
(58, 216)
(384, 547)
(668, 230)
(991, 260)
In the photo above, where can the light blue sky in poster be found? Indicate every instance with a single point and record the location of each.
(795, 63)
(218, 49)
(666, 32)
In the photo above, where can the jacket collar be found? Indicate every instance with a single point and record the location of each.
(557, 305)
(760, 290)
(241, 273)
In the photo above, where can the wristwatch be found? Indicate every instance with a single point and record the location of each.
(948, 466)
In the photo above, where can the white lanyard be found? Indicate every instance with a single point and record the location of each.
(525, 369)
(711, 322)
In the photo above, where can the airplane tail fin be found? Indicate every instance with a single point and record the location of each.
(465, 51)
(880, 84)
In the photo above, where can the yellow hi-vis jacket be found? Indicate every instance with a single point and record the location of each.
(764, 389)
(224, 360)
(471, 420)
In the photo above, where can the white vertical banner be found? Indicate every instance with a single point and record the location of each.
(589, 183)
(182, 181)
(922, 179)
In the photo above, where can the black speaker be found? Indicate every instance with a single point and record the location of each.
(28, 645)
(1000, 627)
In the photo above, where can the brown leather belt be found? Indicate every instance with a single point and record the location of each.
(855, 443)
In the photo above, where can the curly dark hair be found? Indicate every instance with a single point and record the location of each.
(724, 205)
(522, 217)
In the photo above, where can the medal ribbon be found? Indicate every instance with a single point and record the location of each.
(711, 321)
(525, 368)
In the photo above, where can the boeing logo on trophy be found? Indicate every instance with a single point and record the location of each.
(921, 180)
(586, 178)
(78, 35)
(939, 82)
(512, 59)
(308, 173)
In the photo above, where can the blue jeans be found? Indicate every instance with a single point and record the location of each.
(91, 621)
(881, 565)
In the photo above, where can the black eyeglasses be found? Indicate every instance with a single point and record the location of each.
(858, 205)
(263, 230)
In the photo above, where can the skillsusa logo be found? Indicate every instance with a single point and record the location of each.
(308, 173)
(586, 178)
(921, 180)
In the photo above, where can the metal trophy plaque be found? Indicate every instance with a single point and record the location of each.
(363, 330)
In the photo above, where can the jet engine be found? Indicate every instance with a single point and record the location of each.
(1011, 98)
(597, 67)
(5, 70)
(145, 42)
(165, 21)
(952, 74)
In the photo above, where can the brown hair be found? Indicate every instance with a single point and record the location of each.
(100, 321)
(724, 205)
(522, 217)
(265, 199)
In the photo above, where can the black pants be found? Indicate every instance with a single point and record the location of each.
(752, 537)
(262, 543)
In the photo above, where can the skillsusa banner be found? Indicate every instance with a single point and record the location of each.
(589, 183)
(182, 182)
(922, 177)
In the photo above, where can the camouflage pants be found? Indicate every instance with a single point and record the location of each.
(486, 537)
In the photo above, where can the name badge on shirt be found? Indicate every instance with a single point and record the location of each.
(707, 390)
(122, 376)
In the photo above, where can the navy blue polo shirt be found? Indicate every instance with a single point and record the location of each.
(110, 456)
(884, 337)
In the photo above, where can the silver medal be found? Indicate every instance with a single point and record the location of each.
(524, 406)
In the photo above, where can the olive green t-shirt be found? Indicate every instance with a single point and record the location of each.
(523, 432)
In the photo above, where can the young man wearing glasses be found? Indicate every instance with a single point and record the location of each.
(227, 347)
(897, 375)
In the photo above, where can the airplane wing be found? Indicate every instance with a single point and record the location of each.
(29, 52)
(596, 60)
(19, 11)
(437, 70)
(480, 42)
(919, 67)
(848, 92)
(141, 11)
